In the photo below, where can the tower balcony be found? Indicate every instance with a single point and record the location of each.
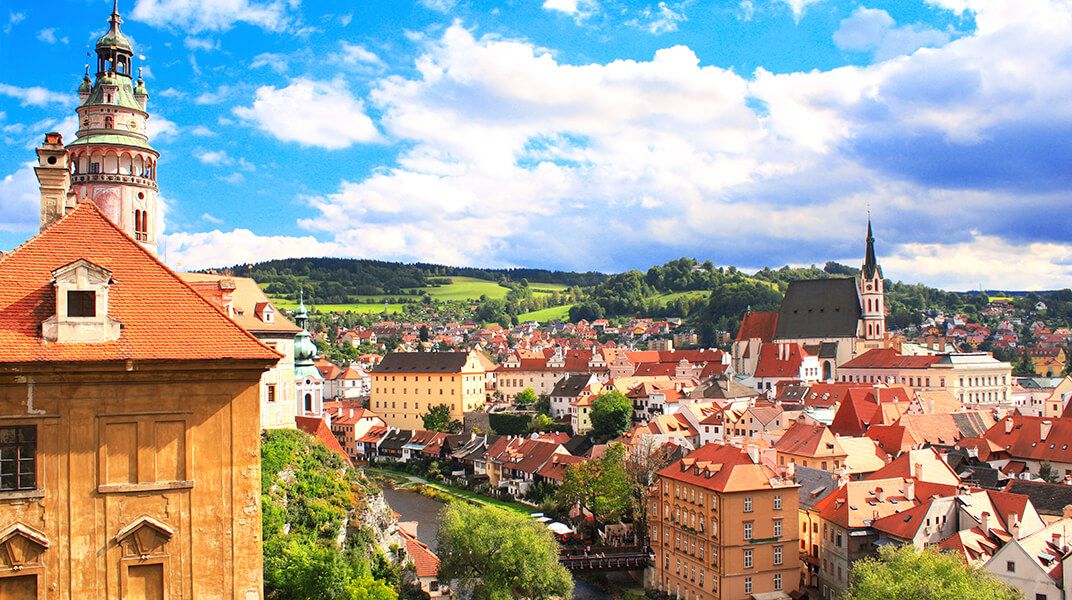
(113, 178)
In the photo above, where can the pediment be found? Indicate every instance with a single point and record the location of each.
(21, 545)
(145, 536)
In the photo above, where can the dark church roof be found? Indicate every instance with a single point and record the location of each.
(819, 308)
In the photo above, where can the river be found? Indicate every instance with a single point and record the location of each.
(412, 506)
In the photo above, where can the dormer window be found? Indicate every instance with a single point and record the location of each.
(81, 305)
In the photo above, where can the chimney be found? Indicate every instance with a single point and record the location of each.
(917, 471)
(351, 413)
(1044, 430)
(910, 490)
(1066, 512)
(753, 453)
(1014, 525)
(880, 494)
(1008, 426)
(984, 523)
(54, 176)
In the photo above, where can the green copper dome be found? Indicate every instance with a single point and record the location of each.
(115, 38)
(86, 87)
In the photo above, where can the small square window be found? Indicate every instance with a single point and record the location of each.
(1010, 566)
(18, 458)
(81, 303)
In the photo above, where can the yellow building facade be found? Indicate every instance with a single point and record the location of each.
(406, 385)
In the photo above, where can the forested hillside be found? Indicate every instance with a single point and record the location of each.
(707, 297)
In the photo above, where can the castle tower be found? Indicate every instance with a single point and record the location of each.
(111, 161)
(872, 296)
(309, 386)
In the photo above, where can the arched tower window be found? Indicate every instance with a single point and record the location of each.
(141, 225)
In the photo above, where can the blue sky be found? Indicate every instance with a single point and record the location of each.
(582, 134)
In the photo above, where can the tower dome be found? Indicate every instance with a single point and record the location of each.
(304, 348)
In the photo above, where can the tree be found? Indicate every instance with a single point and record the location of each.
(611, 412)
(526, 397)
(499, 555)
(903, 572)
(541, 422)
(543, 403)
(437, 418)
(1047, 473)
(601, 486)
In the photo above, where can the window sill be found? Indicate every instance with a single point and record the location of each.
(22, 495)
(156, 486)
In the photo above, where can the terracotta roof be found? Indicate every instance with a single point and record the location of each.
(971, 544)
(318, 428)
(556, 467)
(722, 469)
(1022, 437)
(813, 441)
(935, 470)
(888, 358)
(424, 561)
(247, 299)
(162, 317)
(758, 325)
(773, 362)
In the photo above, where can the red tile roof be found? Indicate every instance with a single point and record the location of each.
(318, 428)
(758, 325)
(888, 358)
(162, 317)
(1023, 438)
(722, 469)
(774, 362)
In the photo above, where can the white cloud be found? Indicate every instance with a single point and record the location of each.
(196, 16)
(201, 130)
(20, 200)
(191, 251)
(48, 36)
(566, 6)
(353, 54)
(746, 10)
(13, 19)
(874, 30)
(205, 44)
(273, 60)
(213, 97)
(161, 129)
(211, 219)
(799, 6)
(311, 113)
(973, 264)
(662, 19)
(443, 6)
(213, 157)
(37, 96)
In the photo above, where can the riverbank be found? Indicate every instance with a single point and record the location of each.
(445, 493)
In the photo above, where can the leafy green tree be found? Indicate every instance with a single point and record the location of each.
(1048, 473)
(541, 422)
(611, 413)
(601, 486)
(901, 572)
(437, 418)
(543, 403)
(499, 555)
(526, 397)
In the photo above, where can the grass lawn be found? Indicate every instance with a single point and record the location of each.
(547, 314)
(689, 294)
(467, 288)
(339, 308)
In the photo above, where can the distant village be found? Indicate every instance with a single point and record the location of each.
(134, 400)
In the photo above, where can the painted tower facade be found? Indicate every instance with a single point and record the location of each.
(110, 163)
(872, 296)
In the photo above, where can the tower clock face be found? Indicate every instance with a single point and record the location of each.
(133, 125)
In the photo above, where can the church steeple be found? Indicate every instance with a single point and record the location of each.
(111, 161)
(872, 295)
(871, 268)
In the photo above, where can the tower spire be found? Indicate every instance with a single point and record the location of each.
(871, 268)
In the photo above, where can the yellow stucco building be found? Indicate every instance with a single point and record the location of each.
(406, 385)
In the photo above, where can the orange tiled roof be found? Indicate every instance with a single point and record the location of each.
(162, 317)
(723, 469)
(758, 325)
(318, 428)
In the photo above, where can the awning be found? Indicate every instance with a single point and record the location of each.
(559, 528)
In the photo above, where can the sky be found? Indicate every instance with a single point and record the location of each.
(582, 134)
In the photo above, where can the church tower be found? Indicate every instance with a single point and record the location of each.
(872, 297)
(110, 161)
